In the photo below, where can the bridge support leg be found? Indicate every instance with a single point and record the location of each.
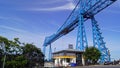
(98, 41)
(50, 53)
(81, 42)
(44, 49)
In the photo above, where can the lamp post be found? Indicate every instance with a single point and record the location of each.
(3, 45)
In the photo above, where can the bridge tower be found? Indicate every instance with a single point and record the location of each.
(84, 10)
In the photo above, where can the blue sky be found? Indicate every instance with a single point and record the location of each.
(32, 21)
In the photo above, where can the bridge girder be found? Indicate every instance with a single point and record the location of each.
(87, 9)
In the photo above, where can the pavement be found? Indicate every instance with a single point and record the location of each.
(91, 66)
(98, 66)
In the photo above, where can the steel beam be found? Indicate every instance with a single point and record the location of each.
(86, 9)
(98, 41)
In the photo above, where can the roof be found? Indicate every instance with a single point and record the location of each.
(69, 50)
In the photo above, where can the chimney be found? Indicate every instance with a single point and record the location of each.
(70, 46)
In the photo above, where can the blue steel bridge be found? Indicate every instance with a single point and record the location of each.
(84, 10)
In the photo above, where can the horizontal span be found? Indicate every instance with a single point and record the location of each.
(73, 19)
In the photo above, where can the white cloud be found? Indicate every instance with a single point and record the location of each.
(68, 6)
(46, 2)
(118, 3)
(25, 36)
(114, 8)
(112, 30)
(10, 28)
(51, 1)
(12, 20)
(115, 31)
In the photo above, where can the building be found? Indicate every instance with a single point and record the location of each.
(68, 57)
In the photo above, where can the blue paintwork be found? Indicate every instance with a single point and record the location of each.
(98, 41)
(84, 10)
(81, 43)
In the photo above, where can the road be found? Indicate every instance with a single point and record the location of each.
(99, 66)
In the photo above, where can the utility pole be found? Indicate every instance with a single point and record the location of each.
(3, 45)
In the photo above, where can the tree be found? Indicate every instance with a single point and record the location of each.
(11, 47)
(18, 56)
(17, 61)
(33, 55)
(6, 41)
(92, 55)
(14, 57)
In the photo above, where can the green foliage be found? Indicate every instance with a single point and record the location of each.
(33, 54)
(92, 55)
(17, 62)
(18, 56)
(5, 40)
(29, 48)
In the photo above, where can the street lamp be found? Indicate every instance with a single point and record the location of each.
(3, 46)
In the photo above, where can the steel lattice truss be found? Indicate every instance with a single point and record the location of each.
(84, 10)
